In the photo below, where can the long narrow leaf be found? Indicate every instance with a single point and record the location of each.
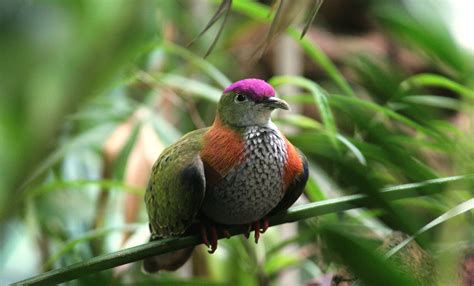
(191, 86)
(103, 184)
(223, 9)
(357, 153)
(204, 65)
(457, 210)
(314, 11)
(421, 80)
(69, 246)
(339, 99)
(320, 99)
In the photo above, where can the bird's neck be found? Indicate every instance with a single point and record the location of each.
(242, 129)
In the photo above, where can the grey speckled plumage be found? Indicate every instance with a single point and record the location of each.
(254, 186)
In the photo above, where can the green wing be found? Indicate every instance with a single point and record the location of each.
(176, 187)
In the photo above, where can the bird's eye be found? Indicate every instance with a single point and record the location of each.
(240, 98)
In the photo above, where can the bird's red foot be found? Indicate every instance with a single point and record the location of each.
(209, 235)
(206, 231)
(257, 229)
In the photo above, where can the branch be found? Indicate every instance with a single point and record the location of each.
(297, 213)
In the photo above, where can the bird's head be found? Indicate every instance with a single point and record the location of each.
(249, 102)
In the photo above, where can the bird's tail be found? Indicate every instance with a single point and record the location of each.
(168, 261)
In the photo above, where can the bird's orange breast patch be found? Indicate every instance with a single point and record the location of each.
(222, 149)
(294, 165)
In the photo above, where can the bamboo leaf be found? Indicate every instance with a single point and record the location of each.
(434, 101)
(300, 121)
(314, 11)
(120, 163)
(188, 85)
(318, 56)
(204, 65)
(457, 210)
(69, 246)
(353, 101)
(357, 153)
(426, 79)
(320, 99)
(352, 250)
(223, 9)
(79, 184)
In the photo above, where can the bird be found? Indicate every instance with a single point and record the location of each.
(239, 171)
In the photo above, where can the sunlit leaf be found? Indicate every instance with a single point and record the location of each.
(422, 80)
(204, 65)
(434, 101)
(80, 184)
(300, 121)
(191, 86)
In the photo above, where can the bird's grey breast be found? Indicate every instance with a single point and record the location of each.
(254, 186)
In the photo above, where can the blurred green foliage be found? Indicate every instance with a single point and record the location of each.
(73, 72)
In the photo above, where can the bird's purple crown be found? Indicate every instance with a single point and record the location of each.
(256, 89)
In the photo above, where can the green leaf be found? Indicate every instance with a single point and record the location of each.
(276, 263)
(428, 183)
(425, 33)
(191, 86)
(364, 262)
(300, 121)
(93, 137)
(317, 55)
(204, 65)
(314, 11)
(357, 153)
(70, 245)
(457, 210)
(80, 184)
(319, 96)
(120, 163)
(312, 190)
(426, 79)
(434, 101)
(353, 101)
(223, 9)
(165, 131)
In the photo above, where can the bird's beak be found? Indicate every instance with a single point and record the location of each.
(275, 102)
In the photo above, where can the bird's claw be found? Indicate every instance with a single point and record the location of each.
(265, 225)
(210, 242)
(257, 229)
(210, 236)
